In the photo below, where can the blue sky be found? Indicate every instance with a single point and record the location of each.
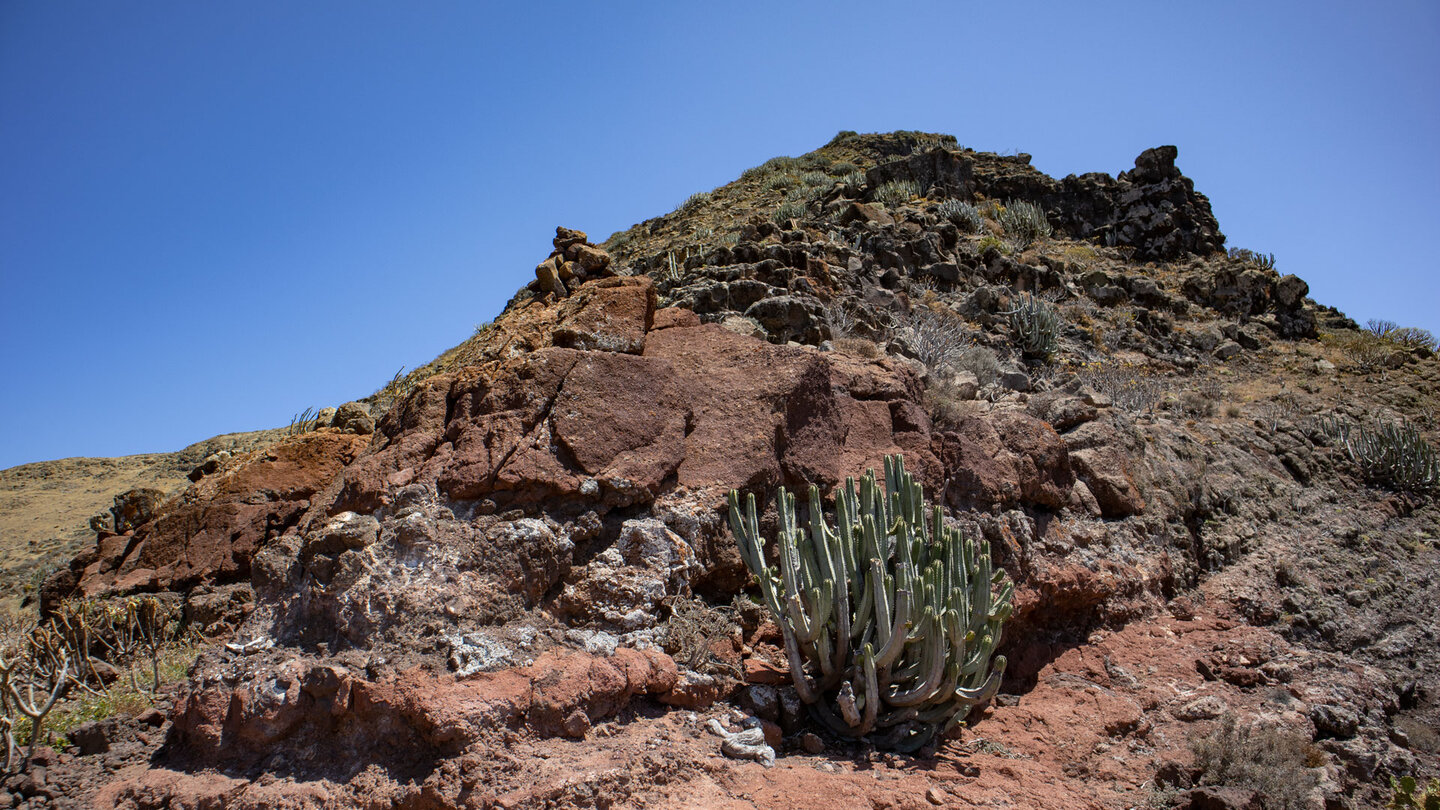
(214, 215)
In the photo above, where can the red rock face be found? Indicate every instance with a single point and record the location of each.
(701, 407)
(211, 531)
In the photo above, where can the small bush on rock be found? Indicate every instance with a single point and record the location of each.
(788, 210)
(857, 347)
(692, 628)
(897, 192)
(1261, 261)
(981, 362)
(1406, 792)
(1130, 387)
(1407, 337)
(1270, 761)
(890, 618)
(938, 337)
(816, 179)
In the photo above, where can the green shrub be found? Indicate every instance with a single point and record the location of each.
(988, 243)
(1036, 327)
(813, 160)
(781, 181)
(755, 172)
(963, 215)
(618, 240)
(1023, 222)
(855, 179)
(1407, 793)
(784, 164)
(1407, 337)
(897, 192)
(890, 618)
(815, 179)
(1413, 338)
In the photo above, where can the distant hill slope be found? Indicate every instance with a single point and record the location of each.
(45, 507)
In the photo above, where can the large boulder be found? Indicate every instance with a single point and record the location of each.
(136, 507)
(1005, 460)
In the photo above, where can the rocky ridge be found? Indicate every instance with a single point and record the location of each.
(494, 573)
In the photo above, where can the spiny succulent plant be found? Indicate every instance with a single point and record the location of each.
(1036, 327)
(897, 192)
(1392, 455)
(890, 619)
(962, 214)
(1023, 222)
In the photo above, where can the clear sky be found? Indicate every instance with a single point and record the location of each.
(216, 214)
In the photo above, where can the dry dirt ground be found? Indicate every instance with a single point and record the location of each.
(1100, 723)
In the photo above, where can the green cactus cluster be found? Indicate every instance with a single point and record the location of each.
(1392, 455)
(1407, 792)
(890, 619)
(1036, 327)
(1024, 223)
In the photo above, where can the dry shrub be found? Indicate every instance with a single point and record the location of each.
(857, 347)
(692, 627)
(1130, 387)
(1363, 348)
(939, 337)
(1274, 762)
(1196, 404)
(944, 405)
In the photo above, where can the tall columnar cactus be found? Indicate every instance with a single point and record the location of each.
(890, 618)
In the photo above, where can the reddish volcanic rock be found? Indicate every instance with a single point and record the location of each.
(213, 529)
(309, 703)
(1106, 471)
(1006, 458)
(766, 415)
(611, 315)
(702, 407)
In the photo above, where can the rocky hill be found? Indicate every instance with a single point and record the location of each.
(509, 581)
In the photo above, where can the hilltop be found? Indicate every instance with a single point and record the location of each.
(507, 580)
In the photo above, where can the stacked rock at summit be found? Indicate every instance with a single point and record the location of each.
(574, 261)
